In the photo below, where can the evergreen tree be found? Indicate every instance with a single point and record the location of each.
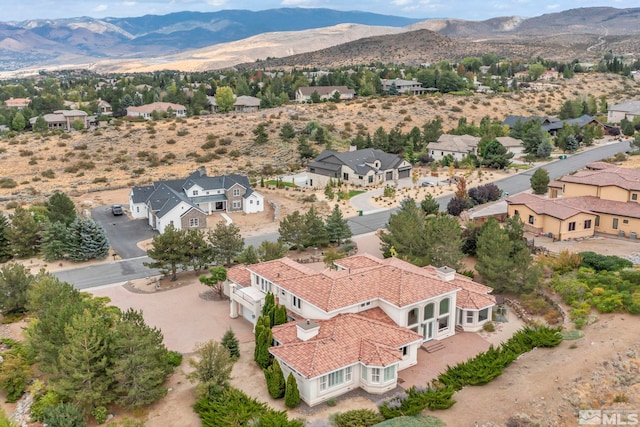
(212, 368)
(24, 233)
(15, 280)
(87, 240)
(280, 317)
(5, 246)
(496, 156)
(19, 122)
(540, 181)
(263, 338)
(83, 362)
(63, 415)
(533, 136)
(167, 251)
(230, 342)
(226, 243)
(293, 230)
(305, 151)
(60, 208)
(40, 124)
(54, 241)
(337, 227)
(572, 144)
(216, 280)
(141, 366)
(429, 205)
(405, 234)
(316, 230)
(544, 149)
(292, 394)
(275, 380)
(287, 132)
(268, 307)
(268, 251)
(249, 256)
(444, 242)
(15, 375)
(198, 253)
(260, 134)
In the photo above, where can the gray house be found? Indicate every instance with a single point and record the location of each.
(363, 168)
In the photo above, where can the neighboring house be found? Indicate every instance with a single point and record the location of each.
(521, 75)
(548, 124)
(185, 203)
(303, 94)
(357, 326)
(458, 146)
(409, 87)
(246, 104)
(104, 108)
(18, 103)
(603, 198)
(147, 110)
(513, 145)
(627, 110)
(63, 119)
(551, 74)
(362, 168)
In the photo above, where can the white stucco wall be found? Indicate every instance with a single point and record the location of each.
(254, 203)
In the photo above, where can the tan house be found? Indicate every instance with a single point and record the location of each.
(303, 94)
(603, 198)
(458, 146)
(362, 168)
(147, 110)
(18, 103)
(64, 119)
(407, 87)
(626, 110)
(358, 325)
(104, 108)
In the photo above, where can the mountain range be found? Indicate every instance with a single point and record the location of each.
(297, 36)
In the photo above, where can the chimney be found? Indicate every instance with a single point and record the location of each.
(446, 273)
(307, 329)
(353, 148)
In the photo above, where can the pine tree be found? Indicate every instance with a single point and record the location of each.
(167, 251)
(60, 208)
(292, 394)
(24, 233)
(248, 256)
(141, 366)
(87, 240)
(444, 242)
(230, 342)
(83, 362)
(429, 205)
(268, 251)
(287, 132)
(316, 230)
(54, 241)
(493, 250)
(226, 243)
(275, 380)
(197, 252)
(15, 280)
(405, 234)
(5, 247)
(293, 230)
(337, 227)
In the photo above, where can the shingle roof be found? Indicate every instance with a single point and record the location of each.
(632, 107)
(156, 106)
(455, 143)
(326, 90)
(342, 341)
(509, 142)
(248, 101)
(361, 161)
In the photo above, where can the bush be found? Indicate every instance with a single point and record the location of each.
(100, 414)
(604, 262)
(485, 193)
(456, 205)
(8, 183)
(174, 358)
(14, 376)
(292, 394)
(63, 415)
(489, 327)
(419, 421)
(43, 401)
(357, 418)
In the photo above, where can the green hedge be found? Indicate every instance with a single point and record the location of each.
(480, 370)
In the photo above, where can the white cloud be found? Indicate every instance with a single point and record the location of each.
(402, 2)
(216, 3)
(100, 8)
(552, 7)
(128, 3)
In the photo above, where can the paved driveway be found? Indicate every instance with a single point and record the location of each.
(123, 233)
(183, 317)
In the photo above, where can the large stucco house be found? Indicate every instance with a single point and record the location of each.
(146, 111)
(185, 203)
(358, 325)
(63, 119)
(601, 199)
(362, 168)
(626, 110)
(401, 86)
(457, 146)
(303, 94)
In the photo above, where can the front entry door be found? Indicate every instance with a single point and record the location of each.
(428, 329)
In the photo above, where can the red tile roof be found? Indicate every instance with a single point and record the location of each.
(239, 275)
(566, 207)
(602, 176)
(342, 341)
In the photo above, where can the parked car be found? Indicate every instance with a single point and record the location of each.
(116, 210)
(427, 184)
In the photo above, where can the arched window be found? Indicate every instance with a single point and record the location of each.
(428, 311)
(444, 306)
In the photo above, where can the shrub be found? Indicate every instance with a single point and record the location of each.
(292, 394)
(14, 376)
(100, 414)
(174, 358)
(43, 401)
(485, 193)
(604, 262)
(456, 205)
(63, 415)
(8, 183)
(357, 418)
(489, 327)
(49, 173)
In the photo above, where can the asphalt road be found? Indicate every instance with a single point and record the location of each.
(128, 269)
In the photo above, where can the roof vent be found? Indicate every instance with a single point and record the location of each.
(446, 273)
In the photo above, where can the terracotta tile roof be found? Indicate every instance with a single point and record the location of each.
(377, 314)
(472, 300)
(566, 207)
(239, 275)
(555, 184)
(281, 269)
(626, 178)
(341, 341)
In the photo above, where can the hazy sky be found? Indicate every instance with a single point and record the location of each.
(20, 10)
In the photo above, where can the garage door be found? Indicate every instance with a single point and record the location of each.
(404, 173)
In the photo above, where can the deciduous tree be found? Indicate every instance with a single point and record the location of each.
(212, 368)
(224, 99)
